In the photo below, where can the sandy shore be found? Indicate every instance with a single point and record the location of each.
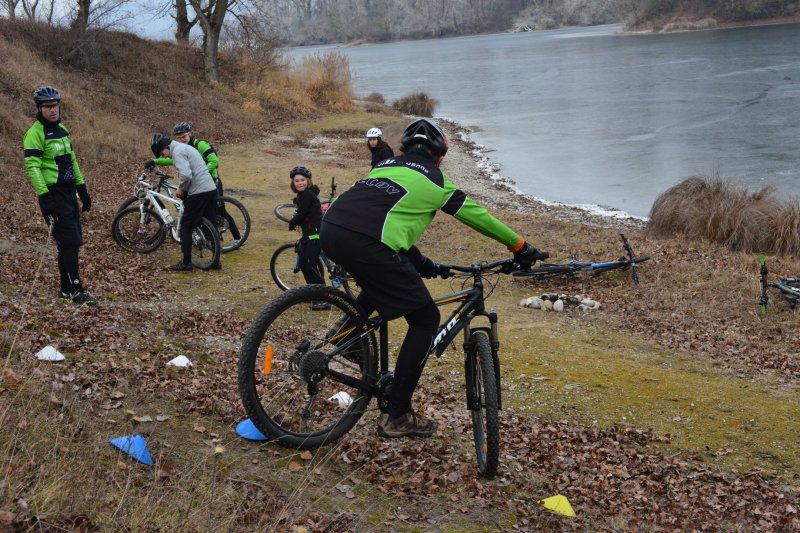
(468, 167)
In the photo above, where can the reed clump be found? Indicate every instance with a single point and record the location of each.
(418, 104)
(725, 212)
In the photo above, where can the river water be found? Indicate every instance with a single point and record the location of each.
(593, 117)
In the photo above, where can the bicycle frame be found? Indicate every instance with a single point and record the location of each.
(471, 305)
(146, 192)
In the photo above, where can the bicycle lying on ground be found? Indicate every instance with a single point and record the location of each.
(142, 228)
(235, 220)
(284, 265)
(295, 362)
(574, 267)
(285, 212)
(789, 287)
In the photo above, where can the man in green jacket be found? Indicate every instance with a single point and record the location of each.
(51, 165)
(182, 132)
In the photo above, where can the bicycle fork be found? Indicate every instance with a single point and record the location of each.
(474, 395)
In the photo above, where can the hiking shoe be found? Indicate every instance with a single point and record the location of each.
(216, 266)
(180, 266)
(320, 306)
(409, 425)
(80, 298)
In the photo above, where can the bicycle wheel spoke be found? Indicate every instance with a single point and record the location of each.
(287, 362)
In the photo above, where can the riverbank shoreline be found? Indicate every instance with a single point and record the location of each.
(681, 25)
(468, 166)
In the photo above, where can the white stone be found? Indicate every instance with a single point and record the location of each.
(342, 397)
(584, 307)
(596, 306)
(524, 302)
(558, 306)
(181, 361)
(48, 353)
(587, 301)
(535, 302)
(547, 305)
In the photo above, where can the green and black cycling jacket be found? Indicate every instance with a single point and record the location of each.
(49, 158)
(397, 201)
(205, 149)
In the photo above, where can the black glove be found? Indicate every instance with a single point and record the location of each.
(292, 226)
(150, 165)
(427, 268)
(528, 255)
(83, 194)
(47, 204)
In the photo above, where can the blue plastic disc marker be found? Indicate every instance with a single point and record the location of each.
(135, 446)
(247, 430)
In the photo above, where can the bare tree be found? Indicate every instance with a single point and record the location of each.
(183, 26)
(10, 8)
(211, 14)
(98, 13)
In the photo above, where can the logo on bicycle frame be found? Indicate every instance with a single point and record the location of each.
(444, 331)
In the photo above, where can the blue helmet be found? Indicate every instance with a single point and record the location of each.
(181, 128)
(45, 93)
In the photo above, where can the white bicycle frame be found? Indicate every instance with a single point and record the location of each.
(150, 195)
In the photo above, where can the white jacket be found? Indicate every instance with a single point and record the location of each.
(192, 171)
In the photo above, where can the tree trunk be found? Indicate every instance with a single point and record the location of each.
(183, 26)
(211, 19)
(81, 21)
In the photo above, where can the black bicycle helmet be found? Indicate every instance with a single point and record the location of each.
(299, 169)
(423, 131)
(45, 93)
(181, 128)
(158, 142)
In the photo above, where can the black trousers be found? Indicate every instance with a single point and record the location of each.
(195, 208)
(390, 284)
(309, 261)
(221, 211)
(68, 235)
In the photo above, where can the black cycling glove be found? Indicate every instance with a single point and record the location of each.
(150, 165)
(47, 204)
(83, 194)
(528, 255)
(427, 268)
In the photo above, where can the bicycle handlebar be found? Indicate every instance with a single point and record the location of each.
(504, 266)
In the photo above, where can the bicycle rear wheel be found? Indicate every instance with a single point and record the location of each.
(285, 212)
(305, 375)
(233, 225)
(484, 404)
(138, 231)
(206, 247)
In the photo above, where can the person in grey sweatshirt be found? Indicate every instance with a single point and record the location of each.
(196, 189)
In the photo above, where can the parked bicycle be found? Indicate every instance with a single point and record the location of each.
(142, 228)
(284, 265)
(574, 267)
(789, 287)
(306, 378)
(285, 212)
(236, 213)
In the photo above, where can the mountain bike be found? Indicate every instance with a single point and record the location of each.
(142, 228)
(285, 212)
(284, 265)
(295, 361)
(573, 267)
(235, 220)
(789, 287)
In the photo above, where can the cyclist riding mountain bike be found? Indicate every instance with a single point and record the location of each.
(182, 132)
(309, 218)
(380, 150)
(52, 167)
(196, 189)
(370, 230)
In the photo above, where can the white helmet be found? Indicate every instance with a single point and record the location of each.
(374, 132)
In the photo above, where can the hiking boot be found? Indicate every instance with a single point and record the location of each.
(80, 297)
(320, 306)
(409, 425)
(216, 266)
(180, 266)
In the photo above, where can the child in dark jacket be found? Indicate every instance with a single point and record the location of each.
(308, 217)
(379, 148)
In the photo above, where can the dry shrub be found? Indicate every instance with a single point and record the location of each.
(375, 97)
(418, 104)
(327, 80)
(722, 211)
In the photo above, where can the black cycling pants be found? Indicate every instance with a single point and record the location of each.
(221, 211)
(195, 208)
(309, 261)
(68, 235)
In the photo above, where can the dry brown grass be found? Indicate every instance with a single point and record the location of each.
(722, 211)
(418, 104)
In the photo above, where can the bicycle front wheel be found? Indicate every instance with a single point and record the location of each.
(484, 404)
(205, 245)
(307, 367)
(285, 267)
(138, 231)
(285, 212)
(233, 224)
